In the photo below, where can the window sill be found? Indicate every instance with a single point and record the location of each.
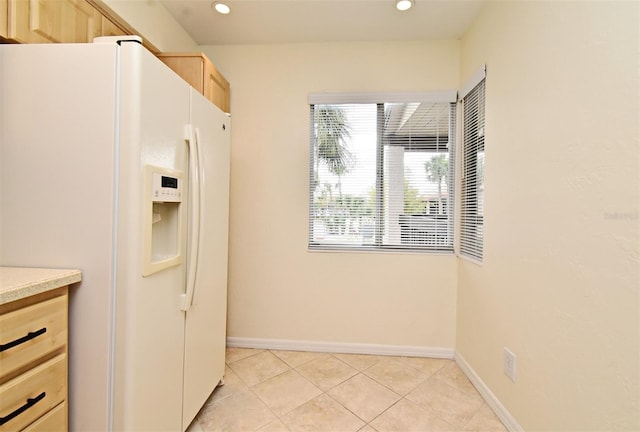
(472, 260)
(390, 250)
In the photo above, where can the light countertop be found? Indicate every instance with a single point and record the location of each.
(19, 282)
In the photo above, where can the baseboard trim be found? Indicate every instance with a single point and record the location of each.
(342, 348)
(503, 414)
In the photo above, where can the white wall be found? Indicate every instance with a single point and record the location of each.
(153, 21)
(277, 289)
(559, 283)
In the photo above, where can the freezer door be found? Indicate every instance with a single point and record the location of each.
(149, 337)
(205, 331)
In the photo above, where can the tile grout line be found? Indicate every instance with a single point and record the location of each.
(439, 374)
(323, 392)
(358, 372)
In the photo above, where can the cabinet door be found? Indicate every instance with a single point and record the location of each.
(189, 66)
(216, 87)
(3, 18)
(110, 29)
(201, 74)
(42, 21)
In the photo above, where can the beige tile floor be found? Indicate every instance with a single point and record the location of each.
(270, 391)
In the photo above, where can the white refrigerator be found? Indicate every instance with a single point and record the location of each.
(111, 163)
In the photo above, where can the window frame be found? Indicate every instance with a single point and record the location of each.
(380, 99)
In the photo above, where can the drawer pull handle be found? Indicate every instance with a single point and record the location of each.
(30, 402)
(23, 339)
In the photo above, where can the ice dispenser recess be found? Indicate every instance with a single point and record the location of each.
(162, 219)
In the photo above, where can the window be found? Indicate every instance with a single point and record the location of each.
(472, 191)
(381, 172)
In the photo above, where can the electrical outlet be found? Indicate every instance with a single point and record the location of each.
(509, 364)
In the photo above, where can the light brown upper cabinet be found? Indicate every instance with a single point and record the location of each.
(201, 74)
(3, 18)
(110, 29)
(42, 21)
(55, 21)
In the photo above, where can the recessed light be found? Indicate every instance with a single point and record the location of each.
(403, 5)
(222, 8)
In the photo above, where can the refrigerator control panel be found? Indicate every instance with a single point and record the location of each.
(163, 219)
(166, 188)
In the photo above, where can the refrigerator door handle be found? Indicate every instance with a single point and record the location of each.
(194, 221)
(197, 234)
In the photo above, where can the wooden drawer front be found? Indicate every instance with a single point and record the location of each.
(54, 420)
(34, 331)
(46, 384)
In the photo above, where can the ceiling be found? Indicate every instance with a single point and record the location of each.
(300, 21)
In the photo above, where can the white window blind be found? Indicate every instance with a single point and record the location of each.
(472, 191)
(381, 173)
